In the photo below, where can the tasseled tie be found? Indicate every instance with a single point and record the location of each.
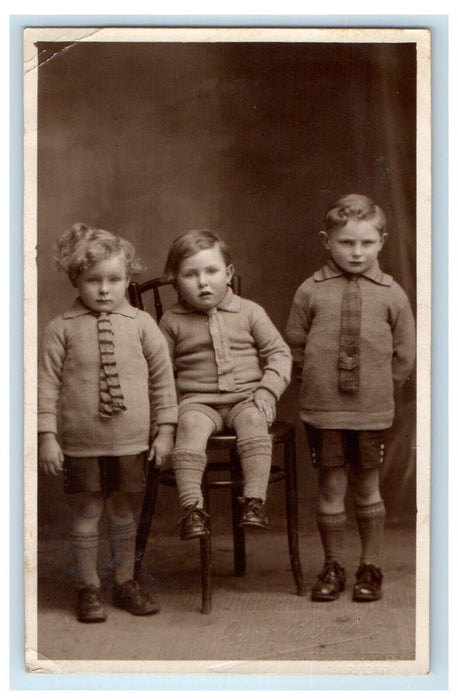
(350, 337)
(111, 396)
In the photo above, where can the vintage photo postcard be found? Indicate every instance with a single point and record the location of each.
(235, 479)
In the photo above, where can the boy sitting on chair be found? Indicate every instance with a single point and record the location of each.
(231, 366)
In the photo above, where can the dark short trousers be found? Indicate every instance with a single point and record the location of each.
(361, 449)
(105, 474)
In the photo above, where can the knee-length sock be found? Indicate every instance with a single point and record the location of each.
(256, 458)
(371, 523)
(85, 550)
(122, 541)
(189, 466)
(331, 527)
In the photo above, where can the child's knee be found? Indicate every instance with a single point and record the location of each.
(250, 422)
(333, 484)
(119, 507)
(365, 486)
(193, 422)
(87, 505)
(193, 430)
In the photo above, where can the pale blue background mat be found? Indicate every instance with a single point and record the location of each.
(438, 676)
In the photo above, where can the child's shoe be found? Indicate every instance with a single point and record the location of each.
(194, 523)
(254, 513)
(368, 585)
(130, 596)
(330, 582)
(89, 606)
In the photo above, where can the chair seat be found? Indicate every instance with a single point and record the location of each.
(279, 432)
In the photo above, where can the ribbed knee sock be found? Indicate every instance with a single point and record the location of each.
(122, 541)
(371, 522)
(85, 548)
(256, 458)
(189, 466)
(332, 529)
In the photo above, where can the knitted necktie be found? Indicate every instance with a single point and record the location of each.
(111, 396)
(350, 337)
(223, 357)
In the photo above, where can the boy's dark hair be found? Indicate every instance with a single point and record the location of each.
(357, 207)
(81, 247)
(189, 243)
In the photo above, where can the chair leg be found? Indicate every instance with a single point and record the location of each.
(206, 570)
(238, 533)
(292, 514)
(146, 515)
(206, 556)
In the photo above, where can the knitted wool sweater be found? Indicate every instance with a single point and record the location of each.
(387, 352)
(260, 356)
(68, 382)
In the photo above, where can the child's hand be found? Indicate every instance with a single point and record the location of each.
(50, 456)
(162, 444)
(265, 402)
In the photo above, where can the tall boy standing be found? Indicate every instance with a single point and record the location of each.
(352, 335)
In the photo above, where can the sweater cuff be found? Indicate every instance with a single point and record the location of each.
(47, 423)
(273, 383)
(168, 414)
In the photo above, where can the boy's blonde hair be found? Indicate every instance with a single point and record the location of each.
(357, 207)
(81, 247)
(189, 243)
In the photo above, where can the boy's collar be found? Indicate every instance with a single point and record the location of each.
(231, 302)
(79, 309)
(374, 273)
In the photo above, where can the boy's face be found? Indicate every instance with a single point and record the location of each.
(103, 286)
(355, 247)
(203, 278)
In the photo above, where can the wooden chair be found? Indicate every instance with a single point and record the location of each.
(221, 475)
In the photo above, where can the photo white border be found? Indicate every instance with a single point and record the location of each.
(423, 211)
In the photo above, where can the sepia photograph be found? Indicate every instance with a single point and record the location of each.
(227, 318)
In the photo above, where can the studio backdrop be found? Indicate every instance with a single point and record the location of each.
(252, 140)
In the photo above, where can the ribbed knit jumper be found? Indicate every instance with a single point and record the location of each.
(260, 356)
(68, 381)
(387, 349)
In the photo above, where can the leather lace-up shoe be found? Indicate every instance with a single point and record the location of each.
(89, 606)
(330, 582)
(130, 596)
(254, 513)
(368, 585)
(194, 523)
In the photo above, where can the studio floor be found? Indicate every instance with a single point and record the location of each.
(255, 617)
